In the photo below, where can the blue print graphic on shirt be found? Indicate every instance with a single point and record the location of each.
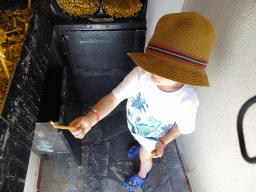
(145, 129)
(139, 103)
(160, 132)
(151, 128)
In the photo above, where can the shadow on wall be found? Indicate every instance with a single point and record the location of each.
(212, 152)
(158, 8)
(229, 19)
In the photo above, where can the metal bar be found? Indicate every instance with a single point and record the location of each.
(240, 133)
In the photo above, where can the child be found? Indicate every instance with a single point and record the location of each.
(161, 103)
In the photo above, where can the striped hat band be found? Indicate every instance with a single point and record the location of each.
(176, 55)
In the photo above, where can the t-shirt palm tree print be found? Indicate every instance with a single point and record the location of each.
(141, 128)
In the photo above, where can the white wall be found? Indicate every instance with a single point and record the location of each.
(158, 8)
(212, 152)
(32, 173)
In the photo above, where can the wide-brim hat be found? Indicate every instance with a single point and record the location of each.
(179, 49)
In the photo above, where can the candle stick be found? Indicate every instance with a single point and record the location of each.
(62, 127)
(5, 67)
(14, 22)
(26, 26)
(17, 29)
(29, 4)
(153, 155)
(22, 20)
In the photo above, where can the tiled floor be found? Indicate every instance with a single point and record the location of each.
(105, 164)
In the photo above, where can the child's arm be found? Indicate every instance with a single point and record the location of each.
(84, 123)
(104, 107)
(169, 136)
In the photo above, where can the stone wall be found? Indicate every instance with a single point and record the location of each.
(19, 115)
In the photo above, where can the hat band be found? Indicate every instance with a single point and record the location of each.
(177, 55)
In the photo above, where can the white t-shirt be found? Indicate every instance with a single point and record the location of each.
(150, 111)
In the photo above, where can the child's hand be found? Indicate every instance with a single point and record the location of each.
(83, 126)
(159, 150)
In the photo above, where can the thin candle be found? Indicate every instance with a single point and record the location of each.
(5, 67)
(62, 127)
(153, 155)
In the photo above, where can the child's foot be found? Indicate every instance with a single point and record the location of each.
(133, 182)
(133, 150)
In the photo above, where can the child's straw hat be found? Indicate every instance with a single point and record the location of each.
(179, 49)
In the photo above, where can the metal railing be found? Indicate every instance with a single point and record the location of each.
(240, 118)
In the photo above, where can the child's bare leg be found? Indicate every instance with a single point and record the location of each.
(144, 165)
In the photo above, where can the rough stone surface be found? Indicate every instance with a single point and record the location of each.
(108, 185)
(105, 164)
(166, 187)
(165, 175)
(158, 175)
(123, 170)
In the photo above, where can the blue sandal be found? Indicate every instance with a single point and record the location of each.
(133, 150)
(133, 182)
